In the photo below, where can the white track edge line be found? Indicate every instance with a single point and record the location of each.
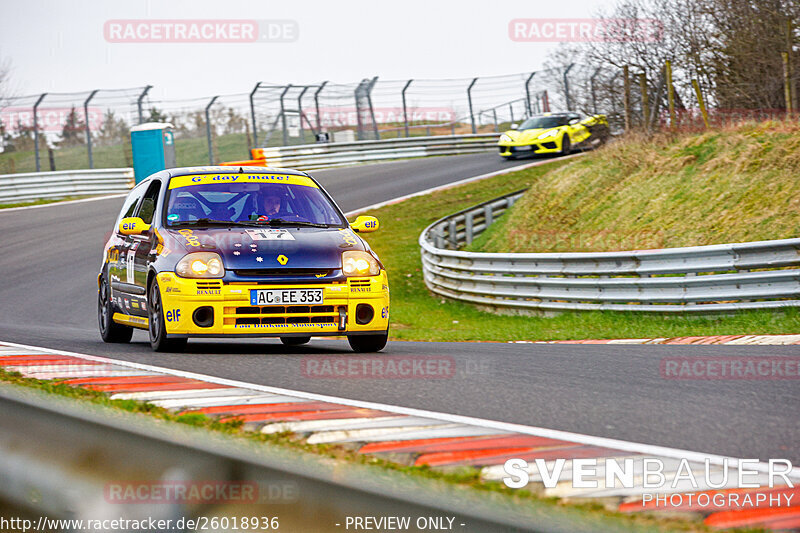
(457, 183)
(56, 204)
(603, 442)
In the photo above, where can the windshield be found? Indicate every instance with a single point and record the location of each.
(544, 122)
(250, 200)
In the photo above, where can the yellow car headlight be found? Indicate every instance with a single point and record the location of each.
(545, 135)
(359, 264)
(506, 139)
(200, 265)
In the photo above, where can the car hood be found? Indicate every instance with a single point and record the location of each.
(271, 248)
(527, 135)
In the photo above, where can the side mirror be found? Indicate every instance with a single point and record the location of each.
(574, 121)
(514, 126)
(365, 224)
(133, 226)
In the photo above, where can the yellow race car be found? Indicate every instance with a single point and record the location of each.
(554, 133)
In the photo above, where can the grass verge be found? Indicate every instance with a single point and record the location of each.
(417, 315)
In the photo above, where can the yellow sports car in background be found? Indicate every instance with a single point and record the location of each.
(554, 133)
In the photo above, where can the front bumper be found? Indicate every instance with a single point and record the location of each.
(544, 146)
(233, 314)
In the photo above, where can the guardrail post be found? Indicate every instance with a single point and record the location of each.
(469, 100)
(405, 109)
(208, 130)
(468, 224)
(488, 215)
(316, 105)
(300, 112)
(594, 93)
(452, 233)
(253, 113)
(528, 93)
(140, 100)
(566, 86)
(36, 131)
(283, 116)
(86, 121)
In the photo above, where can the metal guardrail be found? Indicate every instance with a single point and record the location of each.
(63, 183)
(723, 277)
(316, 156)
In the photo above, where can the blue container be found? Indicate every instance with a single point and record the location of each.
(153, 146)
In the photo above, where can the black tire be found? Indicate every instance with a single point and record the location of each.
(566, 145)
(368, 343)
(295, 341)
(110, 331)
(157, 327)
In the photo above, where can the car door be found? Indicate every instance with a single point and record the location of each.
(119, 267)
(141, 249)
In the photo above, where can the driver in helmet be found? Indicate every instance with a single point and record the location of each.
(269, 204)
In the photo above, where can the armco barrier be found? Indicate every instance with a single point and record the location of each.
(723, 277)
(315, 156)
(63, 183)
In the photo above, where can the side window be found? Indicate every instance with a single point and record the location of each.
(129, 207)
(148, 207)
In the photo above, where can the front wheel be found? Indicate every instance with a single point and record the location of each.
(368, 343)
(110, 331)
(157, 328)
(566, 147)
(295, 341)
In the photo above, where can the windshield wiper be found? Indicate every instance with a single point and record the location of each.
(282, 222)
(212, 222)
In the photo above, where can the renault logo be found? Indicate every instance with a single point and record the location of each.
(282, 259)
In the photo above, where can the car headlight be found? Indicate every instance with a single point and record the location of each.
(506, 139)
(545, 135)
(359, 264)
(200, 265)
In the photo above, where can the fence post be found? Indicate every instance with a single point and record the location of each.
(594, 94)
(626, 96)
(494, 114)
(253, 114)
(283, 116)
(645, 101)
(372, 109)
(545, 102)
(358, 93)
(700, 101)
(511, 111)
(405, 109)
(316, 104)
(566, 86)
(208, 130)
(88, 132)
(528, 93)
(36, 131)
(787, 83)
(469, 101)
(300, 112)
(670, 94)
(140, 100)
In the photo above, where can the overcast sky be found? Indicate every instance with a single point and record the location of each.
(60, 45)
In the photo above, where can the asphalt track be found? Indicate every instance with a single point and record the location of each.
(49, 258)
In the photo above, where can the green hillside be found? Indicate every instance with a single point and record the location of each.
(732, 185)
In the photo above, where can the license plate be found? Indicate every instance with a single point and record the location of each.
(523, 148)
(285, 296)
